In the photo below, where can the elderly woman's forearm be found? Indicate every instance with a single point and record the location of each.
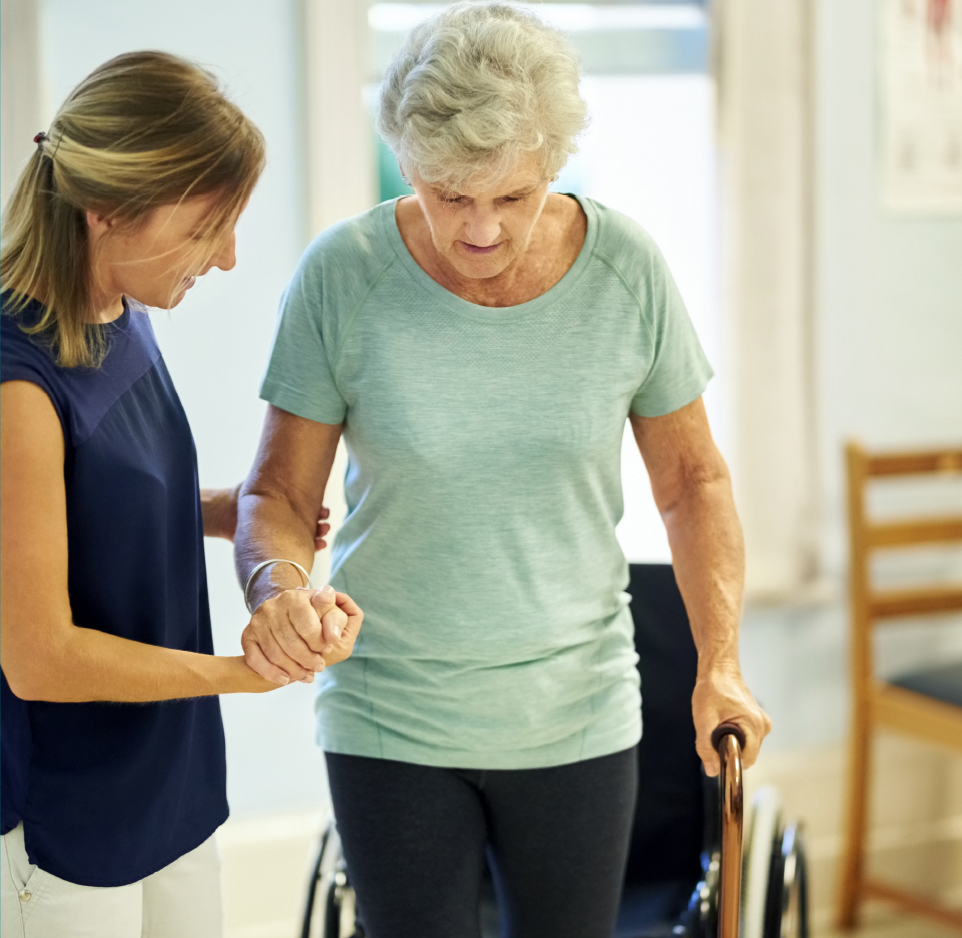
(280, 501)
(269, 526)
(709, 559)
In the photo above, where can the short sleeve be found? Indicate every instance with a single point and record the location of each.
(679, 371)
(300, 373)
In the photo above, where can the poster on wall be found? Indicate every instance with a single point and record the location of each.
(921, 96)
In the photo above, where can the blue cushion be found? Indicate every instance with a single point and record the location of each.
(943, 683)
(653, 910)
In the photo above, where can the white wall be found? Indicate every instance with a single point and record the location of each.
(216, 342)
(890, 300)
(19, 88)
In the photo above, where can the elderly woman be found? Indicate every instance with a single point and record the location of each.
(480, 345)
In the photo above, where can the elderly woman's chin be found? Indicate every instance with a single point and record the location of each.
(479, 265)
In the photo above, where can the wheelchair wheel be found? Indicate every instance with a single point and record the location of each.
(786, 908)
(331, 909)
(763, 832)
(774, 885)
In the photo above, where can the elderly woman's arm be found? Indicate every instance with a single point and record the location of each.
(692, 490)
(219, 510)
(277, 512)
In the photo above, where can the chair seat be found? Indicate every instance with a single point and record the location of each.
(652, 910)
(942, 683)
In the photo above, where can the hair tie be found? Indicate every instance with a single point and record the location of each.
(39, 139)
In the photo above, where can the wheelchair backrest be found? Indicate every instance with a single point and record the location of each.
(669, 830)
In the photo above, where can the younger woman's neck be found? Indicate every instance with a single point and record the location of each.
(105, 307)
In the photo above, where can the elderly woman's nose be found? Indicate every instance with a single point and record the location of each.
(482, 227)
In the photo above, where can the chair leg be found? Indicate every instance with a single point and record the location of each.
(853, 849)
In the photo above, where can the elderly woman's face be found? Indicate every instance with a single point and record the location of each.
(483, 228)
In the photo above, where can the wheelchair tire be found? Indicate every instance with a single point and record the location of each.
(330, 911)
(763, 833)
(786, 907)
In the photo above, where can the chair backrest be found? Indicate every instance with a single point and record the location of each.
(669, 827)
(871, 606)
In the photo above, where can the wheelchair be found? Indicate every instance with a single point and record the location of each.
(688, 873)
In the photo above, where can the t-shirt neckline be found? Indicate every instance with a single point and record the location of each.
(489, 313)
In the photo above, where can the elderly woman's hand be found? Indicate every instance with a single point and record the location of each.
(343, 647)
(298, 632)
(721, 696)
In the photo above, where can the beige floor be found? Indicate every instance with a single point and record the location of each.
(881, 922)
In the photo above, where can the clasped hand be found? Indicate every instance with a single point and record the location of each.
(297, 633)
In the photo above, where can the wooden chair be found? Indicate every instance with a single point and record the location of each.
(925, 704)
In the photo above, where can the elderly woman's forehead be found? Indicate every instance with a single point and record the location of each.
(528, 175)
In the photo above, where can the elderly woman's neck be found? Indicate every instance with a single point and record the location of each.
(527, 269)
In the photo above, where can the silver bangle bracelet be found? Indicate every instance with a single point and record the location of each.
(267, 563)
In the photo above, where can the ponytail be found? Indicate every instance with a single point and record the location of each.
(145, 129)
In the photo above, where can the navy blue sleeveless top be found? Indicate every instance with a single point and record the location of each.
(110, 792)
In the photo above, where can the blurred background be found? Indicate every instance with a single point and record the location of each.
(794, 164)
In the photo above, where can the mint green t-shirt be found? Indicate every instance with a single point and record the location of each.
(483, 489)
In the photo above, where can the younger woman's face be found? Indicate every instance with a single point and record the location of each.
(158, 260)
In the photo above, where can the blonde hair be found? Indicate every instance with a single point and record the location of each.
(476, 87)
(145, 129)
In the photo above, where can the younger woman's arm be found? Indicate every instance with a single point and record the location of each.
(43, 654)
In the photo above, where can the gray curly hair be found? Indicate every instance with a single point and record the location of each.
(475, 88)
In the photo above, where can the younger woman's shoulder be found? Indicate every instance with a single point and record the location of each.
(26, 357)
(19, 349)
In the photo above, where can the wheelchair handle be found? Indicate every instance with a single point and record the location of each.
(729, 740)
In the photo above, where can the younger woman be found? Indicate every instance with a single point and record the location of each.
(108, 810)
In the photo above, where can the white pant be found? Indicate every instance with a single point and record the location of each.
(180, 901)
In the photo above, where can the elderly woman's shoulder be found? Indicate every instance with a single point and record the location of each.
(621, 240)
(356, 243)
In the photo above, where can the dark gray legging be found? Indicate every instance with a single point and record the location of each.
(414, 838)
